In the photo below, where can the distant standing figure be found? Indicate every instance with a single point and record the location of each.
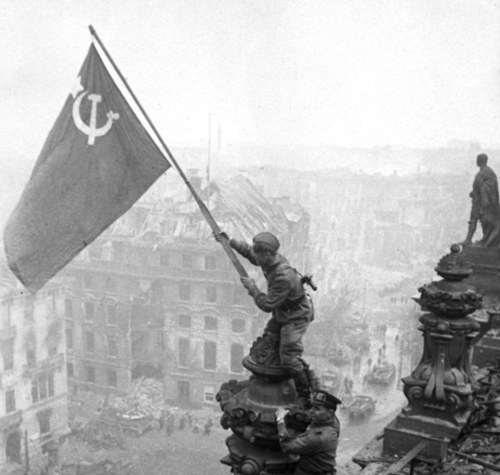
(182, 422)
(170, 424)
(485, 204)
(208, 427)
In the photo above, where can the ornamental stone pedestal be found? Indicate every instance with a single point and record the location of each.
(249, 408)
(485, 278)
(440, 389)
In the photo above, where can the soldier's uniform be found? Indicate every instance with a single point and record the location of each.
(317, 446)
(291, 308)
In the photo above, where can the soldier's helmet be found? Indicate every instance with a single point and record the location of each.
(266, 241)
(324, 398)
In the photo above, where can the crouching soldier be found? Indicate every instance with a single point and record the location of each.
(317, 446)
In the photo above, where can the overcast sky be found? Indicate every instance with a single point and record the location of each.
(342, 72)
(355, 73)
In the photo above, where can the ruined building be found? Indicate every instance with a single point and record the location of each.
(33, 389)
(155, 295)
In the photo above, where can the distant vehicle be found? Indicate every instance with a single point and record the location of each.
(361, 406)
(356, 338)
(381, 374)
(132, 422)
(338, 355)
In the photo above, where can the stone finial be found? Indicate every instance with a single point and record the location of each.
(451, 297)
(454, 265)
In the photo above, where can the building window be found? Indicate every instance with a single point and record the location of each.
(8, 356)
(50, 384)
(89, 311)
(184, 320)
(42, 388)
(184, 291)
(209, 394)
(52, 303)
(187, 261)
(112, 347)
(44, 421)
(10, 401)
(52, 348)
(112, 379)
(43, 392)
(69, 338)
(68, 309)
(164, 261)
(183, 352)
(211, 292)
(90, 370)
(236, 357)
(31, 357)
(210, 323)
(111, 314)
(29, 310)
(70, 370)
(34, 391)
(237, 325)
(87, 281)
(210, 262)
(89, 336)
(210, 355)
(110, 284)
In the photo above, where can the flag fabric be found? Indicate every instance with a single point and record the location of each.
(95, 164)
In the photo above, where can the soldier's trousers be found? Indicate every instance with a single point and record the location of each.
(291, 347)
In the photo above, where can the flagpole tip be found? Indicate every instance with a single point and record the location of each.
(92, 31)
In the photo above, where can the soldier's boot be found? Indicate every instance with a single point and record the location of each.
(470, 232)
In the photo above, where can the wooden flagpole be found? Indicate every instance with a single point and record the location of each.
(204, 210)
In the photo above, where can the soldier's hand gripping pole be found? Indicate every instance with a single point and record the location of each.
(224, 240)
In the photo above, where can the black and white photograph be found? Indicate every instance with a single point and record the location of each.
(249, 237)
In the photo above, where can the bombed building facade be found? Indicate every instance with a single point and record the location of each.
(155, 295)
(33, 388)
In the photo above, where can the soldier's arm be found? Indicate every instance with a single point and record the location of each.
(310, 442)
(277, 292)
(243, 249)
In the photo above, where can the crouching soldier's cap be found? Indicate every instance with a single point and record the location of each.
(266, 241)
(325, 399)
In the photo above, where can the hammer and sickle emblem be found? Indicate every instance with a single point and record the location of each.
(91, 130)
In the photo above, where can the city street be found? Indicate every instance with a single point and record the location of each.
(389, 399)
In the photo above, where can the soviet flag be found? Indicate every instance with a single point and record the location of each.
(95, 164)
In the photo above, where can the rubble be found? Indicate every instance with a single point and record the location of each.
(145, 400)
(478, 451)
